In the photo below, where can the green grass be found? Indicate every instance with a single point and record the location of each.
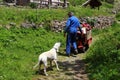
(19, 15)
(19, 50)
(103, 56)
(118, 16)
(19, 47)
(76, 2)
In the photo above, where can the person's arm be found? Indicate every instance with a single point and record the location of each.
(80, 28)
(67, 26)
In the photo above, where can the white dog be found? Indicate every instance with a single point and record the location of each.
(49, 55)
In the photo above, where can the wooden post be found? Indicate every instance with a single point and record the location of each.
(65, 4)
(49, 3)
(86, 3)
(58, 3)
(40, 3)
(15, 2)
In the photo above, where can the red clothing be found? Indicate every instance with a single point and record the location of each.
(87, 26)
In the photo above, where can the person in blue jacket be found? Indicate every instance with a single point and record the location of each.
(71, 28)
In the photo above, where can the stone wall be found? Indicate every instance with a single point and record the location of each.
(57, 26)
(100, 22)
(103, 22)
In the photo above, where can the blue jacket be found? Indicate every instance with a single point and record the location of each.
(72, 24)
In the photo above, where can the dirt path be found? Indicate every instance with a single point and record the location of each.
(71, 68)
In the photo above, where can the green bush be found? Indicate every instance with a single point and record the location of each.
(107, 5)
(118, 16)
(33, 5)
(103, 56)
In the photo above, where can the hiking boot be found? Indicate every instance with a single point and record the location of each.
(76, 52)
(73, 55)
(68, 55)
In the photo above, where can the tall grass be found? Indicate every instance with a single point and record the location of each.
(19, 15)
(118, 16)
(19, 50)
(103, 56)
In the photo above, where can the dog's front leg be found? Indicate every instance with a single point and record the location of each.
(55, 61)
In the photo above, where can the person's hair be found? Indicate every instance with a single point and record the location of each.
(70, 13)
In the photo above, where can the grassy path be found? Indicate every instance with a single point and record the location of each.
(71, 68)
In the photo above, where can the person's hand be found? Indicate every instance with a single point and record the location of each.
(82, 33)
(78, 32)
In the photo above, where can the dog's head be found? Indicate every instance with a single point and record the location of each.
(57, 46)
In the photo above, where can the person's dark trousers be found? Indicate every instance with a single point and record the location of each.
(71, 41)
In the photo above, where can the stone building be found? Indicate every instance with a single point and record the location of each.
(41, 2)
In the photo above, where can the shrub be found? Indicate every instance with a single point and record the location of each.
(33, 5)
(104, 55)
(118, 16)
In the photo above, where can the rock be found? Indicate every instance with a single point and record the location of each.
(28, 25)
(99, 22)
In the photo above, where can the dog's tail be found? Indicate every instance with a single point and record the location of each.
(35, 65)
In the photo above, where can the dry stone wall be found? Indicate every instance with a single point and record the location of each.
(103, 22)
(57, 26)
(100, 22)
